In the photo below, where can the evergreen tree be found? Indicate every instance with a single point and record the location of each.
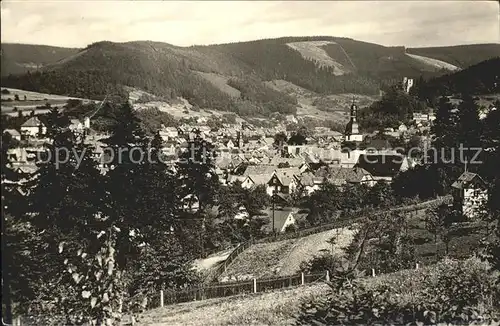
(469, 128)
(445, 125)
(65, 205)
(197, 185)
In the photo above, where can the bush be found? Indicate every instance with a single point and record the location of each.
(452, 291)
(321, 263)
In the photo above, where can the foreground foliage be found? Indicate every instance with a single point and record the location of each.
(451, 292)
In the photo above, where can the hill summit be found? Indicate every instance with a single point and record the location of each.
(232, 77)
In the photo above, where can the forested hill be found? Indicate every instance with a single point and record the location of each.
(482, 78)
(227, 76)
(21, 58)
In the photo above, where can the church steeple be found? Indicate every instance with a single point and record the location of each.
(352, 128)
(354, 110)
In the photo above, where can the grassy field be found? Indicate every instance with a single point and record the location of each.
(33, 99)
(272, 308)
(283, 258)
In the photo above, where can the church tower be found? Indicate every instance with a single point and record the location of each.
(352, 128)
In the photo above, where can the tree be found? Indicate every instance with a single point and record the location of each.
(279, 140)
(323, 204)
(469, 127)
(439, 222)
(444, 126)
(197, 182)
(9, 199)
(66, 204)
(297, 138)
(381, 195)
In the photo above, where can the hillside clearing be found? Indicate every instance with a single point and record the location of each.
(283, 258)
(289, 88)
(434, 62)
(271, 308)
(313, 51)
(220, 82)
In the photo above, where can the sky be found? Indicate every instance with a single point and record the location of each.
(183, 23)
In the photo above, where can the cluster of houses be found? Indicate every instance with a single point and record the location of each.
(250, 156)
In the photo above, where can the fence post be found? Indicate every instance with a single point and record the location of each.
(328, 276)
(302, 278)
(254, 285)
(161, 299)
(373, 272)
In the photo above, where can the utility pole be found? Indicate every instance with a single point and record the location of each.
(274, 194)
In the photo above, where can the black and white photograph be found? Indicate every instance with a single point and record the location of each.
(261, 163)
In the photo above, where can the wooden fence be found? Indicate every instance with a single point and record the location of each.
(225, 289)
(413, 209)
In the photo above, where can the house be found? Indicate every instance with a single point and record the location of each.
(33, 127)
(341, 176)
(420, 118)
(309, 183)
(13, 133)
(383, 167)
(283, 181)
(290, 162)
(281, 219)
(230, 144)
(190, 203)
(402, 128)
(253, 180)
(17, 155)
(470, 193)
(259, 169)
(242, 213)
(168, 133)
(76, 125)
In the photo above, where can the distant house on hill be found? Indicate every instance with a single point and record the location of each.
(383, 167)
(470, 193)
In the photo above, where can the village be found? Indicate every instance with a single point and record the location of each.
(256, 156)
(250, 163)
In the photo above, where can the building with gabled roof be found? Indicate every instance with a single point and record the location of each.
(470, 194)
(33, 127)
(383, 167)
